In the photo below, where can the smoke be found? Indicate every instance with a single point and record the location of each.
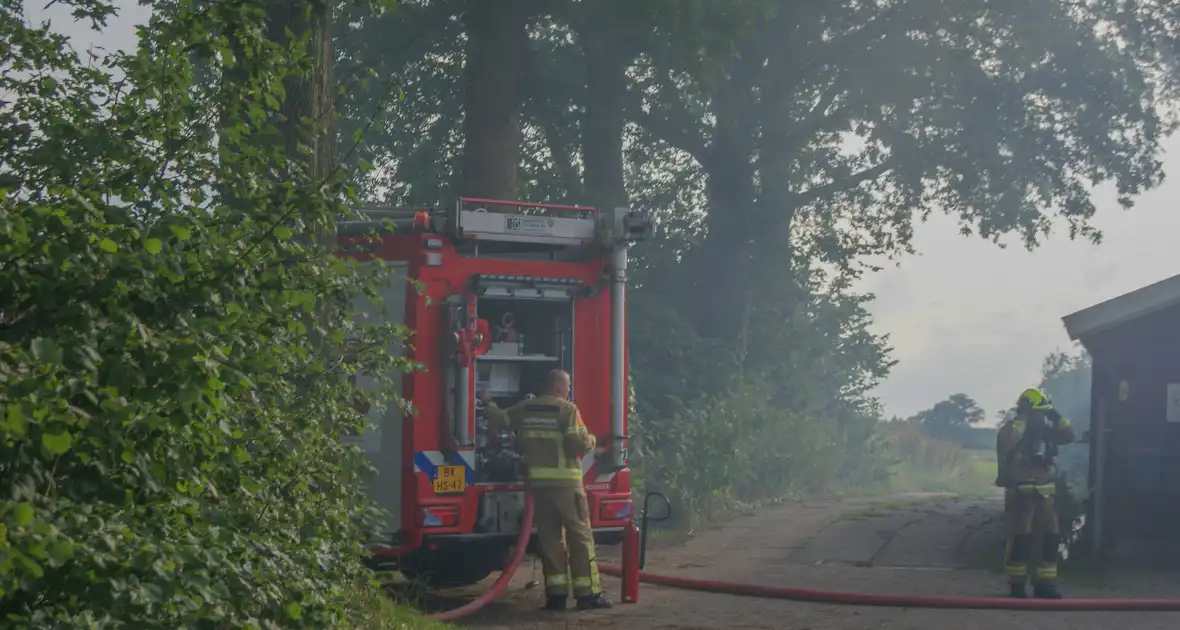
(1065, 377)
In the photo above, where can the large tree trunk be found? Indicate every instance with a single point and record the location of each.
(608, 53)
(497, 42)
(721, 266)
(307, 117)
(772, 249)
(784, 133)
(307, 120)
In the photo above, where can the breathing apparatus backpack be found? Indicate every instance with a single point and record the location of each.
(1038, 448)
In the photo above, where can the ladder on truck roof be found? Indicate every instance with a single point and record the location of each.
(511, 221)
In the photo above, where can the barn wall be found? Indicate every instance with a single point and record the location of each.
(1143, 457)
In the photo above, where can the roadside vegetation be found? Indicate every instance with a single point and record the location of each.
(174, 351)
(380, 611)
(927, 464)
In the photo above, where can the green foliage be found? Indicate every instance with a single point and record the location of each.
(717, 450)
(381, 613)
(173, 372)
(946, 121)
(712, 435)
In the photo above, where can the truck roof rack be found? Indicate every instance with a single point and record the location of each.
(521, 222)
(479, 219)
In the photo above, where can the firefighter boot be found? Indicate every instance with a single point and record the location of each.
(594, 602)
(1016, 565)
(554, 603)
(1046, 591)
(1045, 580)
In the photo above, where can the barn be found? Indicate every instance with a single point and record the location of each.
(1134, 440)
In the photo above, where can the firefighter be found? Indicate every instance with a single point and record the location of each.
(552, 440)
(1025, 447)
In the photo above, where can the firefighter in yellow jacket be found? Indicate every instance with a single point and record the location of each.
(1025, 448)
(553, 439)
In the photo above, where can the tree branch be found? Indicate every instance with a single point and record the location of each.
(541, 110)
(841, 184)
(814, 120)
(664, 124)
(563, 159)
(769, 42)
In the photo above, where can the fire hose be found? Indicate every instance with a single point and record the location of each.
(632, 573)
(497, 589)
(896, 601)
(634, 547)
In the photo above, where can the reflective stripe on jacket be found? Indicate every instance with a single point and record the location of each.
(552, 438)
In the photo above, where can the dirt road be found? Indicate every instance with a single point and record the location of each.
(911, 544)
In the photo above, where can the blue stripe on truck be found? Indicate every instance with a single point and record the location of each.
(423, 462)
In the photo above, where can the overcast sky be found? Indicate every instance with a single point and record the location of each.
(966, 316)
(963, 315)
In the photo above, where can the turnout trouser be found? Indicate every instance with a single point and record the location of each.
(563, 518)
(1032, 528)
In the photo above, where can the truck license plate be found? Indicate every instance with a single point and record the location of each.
(450, 480)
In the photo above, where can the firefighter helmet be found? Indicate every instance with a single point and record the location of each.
(1033, 400)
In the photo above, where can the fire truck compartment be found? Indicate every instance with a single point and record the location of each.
(382, 441)
(530, 337)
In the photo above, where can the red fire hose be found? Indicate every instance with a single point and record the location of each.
(497, 589)
(808, 595)
(904, 601)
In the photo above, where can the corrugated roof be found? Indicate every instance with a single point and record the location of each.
(1122, 309)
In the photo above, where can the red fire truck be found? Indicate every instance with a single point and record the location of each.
(496, 293)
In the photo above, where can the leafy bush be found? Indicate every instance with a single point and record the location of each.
(717, 451)
(172, 373)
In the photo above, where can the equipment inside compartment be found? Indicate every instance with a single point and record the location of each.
(530, 337)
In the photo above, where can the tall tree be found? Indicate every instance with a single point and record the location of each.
(610, 33)
(307, 115)
(950, 418)
(831, 126)
(497, 42)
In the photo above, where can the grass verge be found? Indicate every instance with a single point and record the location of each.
(881, 508)
(968, 473)
(382, 613)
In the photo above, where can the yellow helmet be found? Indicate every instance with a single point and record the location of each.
(1033, 400)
